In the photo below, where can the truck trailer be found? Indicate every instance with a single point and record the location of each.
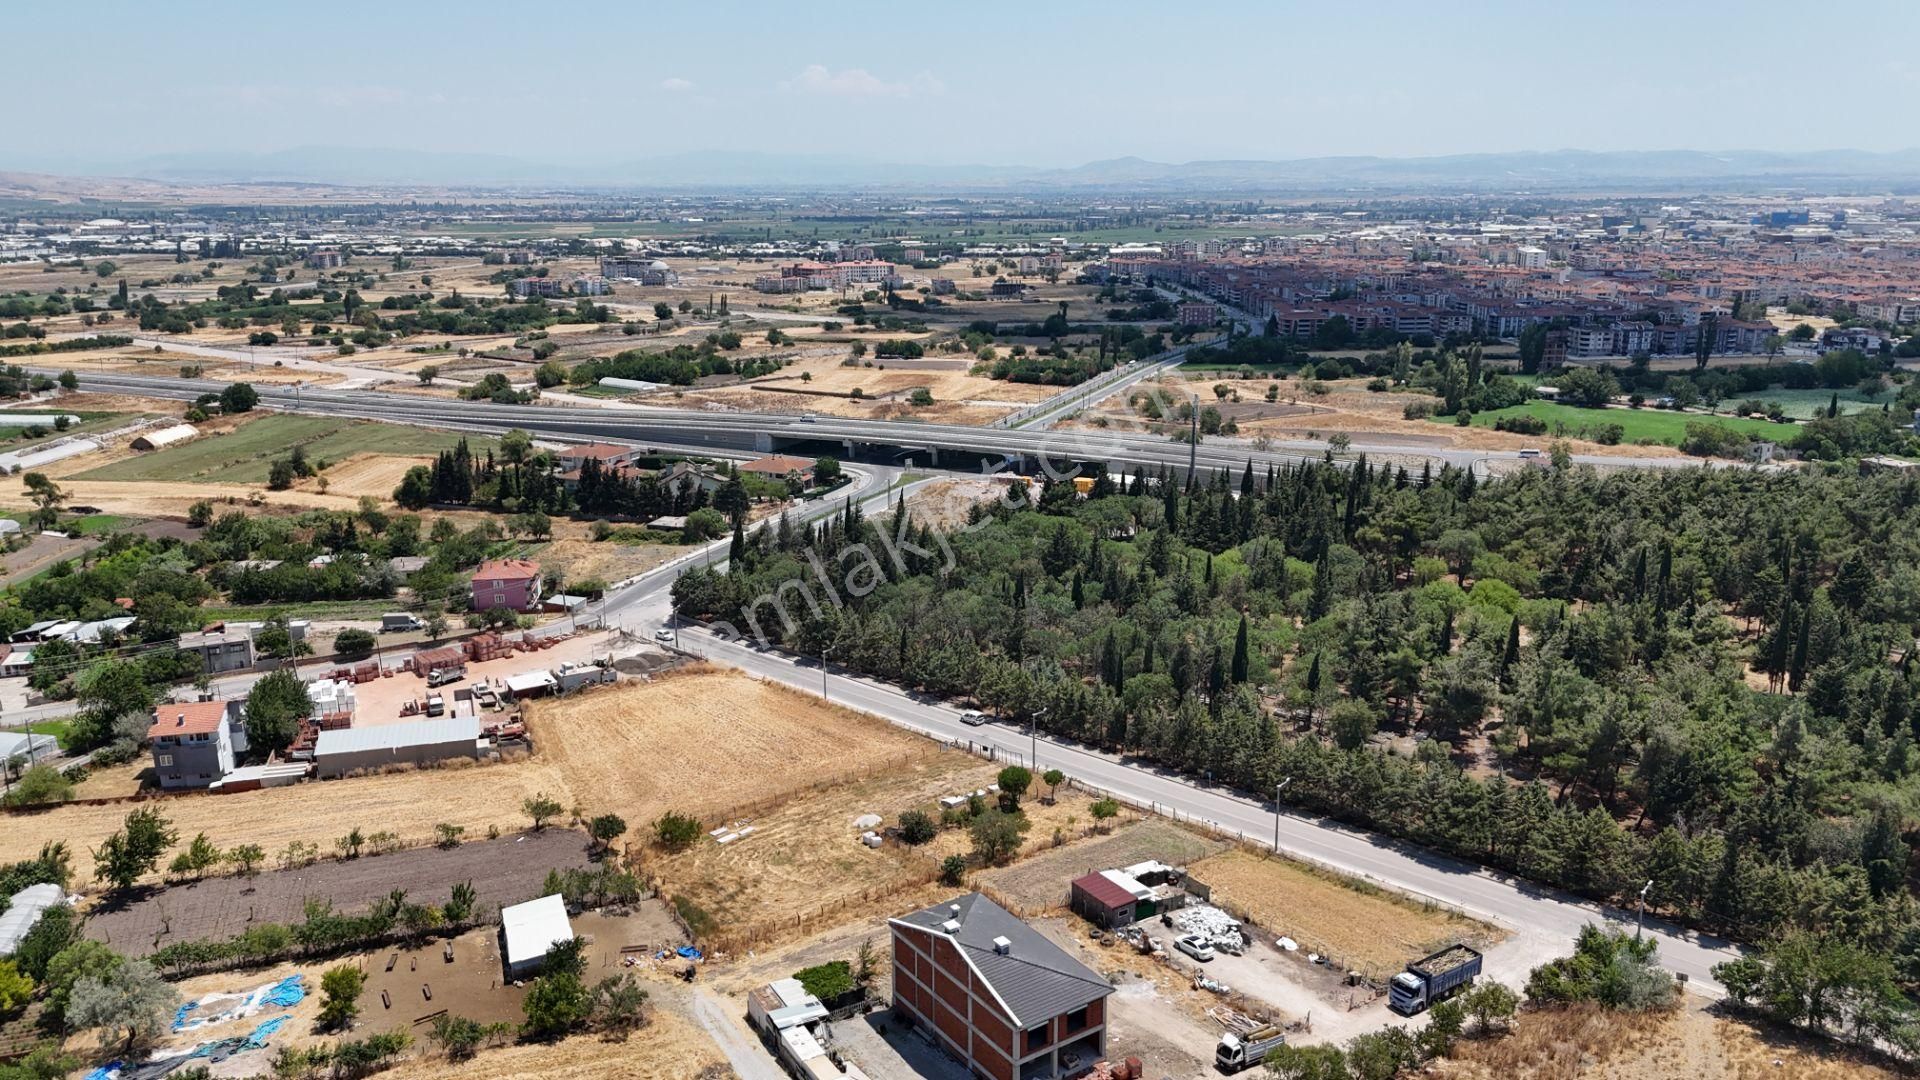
(1237, 1051)
(1432, 979)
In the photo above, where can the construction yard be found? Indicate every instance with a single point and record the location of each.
(1355, 925)
(503, 871)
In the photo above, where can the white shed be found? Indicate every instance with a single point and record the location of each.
(532, 930)
(23, 911)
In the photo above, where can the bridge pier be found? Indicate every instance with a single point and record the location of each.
(763, 442)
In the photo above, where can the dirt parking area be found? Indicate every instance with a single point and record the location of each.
(503, 871)
(1356, 925)
(1044, 880)
(380, 701)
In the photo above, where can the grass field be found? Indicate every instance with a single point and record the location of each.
(1360, 928)
(1638, 425)
(242, 456)
(1805, 404)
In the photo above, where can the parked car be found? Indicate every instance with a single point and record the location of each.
(973, 718)
(1195, 946)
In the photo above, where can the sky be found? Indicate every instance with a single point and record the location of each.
(1046, 83)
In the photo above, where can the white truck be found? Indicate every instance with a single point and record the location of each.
(399, 622)
(1243, 1051)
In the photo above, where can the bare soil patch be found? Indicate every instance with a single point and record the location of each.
(503, 871)
(668, 1048)
(1360, 928)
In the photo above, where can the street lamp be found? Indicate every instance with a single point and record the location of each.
(1033, 739)
(1277, 789)
(1641, 917)
(824, 650)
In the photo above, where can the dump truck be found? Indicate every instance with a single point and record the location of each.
(1243, 1051)
(1432, 979)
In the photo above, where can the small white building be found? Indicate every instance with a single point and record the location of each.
(166, 436)
(531, 930)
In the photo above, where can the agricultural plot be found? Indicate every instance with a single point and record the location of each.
(503, 871)
(1043, 880)
(407, 803)
(1359, 927)
(242, 456)
(704, 741)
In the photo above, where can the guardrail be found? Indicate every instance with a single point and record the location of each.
(1079, 391)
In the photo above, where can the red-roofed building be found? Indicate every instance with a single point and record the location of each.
(194, 742)
(607, 454)
(513, 584)
(781, 467)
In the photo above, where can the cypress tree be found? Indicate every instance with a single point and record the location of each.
(1241, 659)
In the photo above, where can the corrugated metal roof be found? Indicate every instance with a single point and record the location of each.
(354, 740)
(1103, 891)
(1035, 978)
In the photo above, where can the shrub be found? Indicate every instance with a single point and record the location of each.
(676, 831)
(916, 828)
(354, 644)
(953, 870)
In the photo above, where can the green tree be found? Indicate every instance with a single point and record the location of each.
(340, 996)
(556, 1003)
(916, 828)
(134, 849)
(953, 869)
(130, 1000)
(275, 706)
(676, 831)
(541, 808)
(47, 498)
(607, 828)
(40, 785)
(84, 958)
(354, 643)
(1014, 780)
(997, 835)
(238, 398)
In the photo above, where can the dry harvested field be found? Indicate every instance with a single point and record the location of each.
(944, 503)
(705, 741)
(1359, 928)
(370, 474)
(408, 803)
(1690, 1044)
(668, 1048)
(503, 871)
(606, 561)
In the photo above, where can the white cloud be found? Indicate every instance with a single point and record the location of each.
(858, 83)
(676, 85)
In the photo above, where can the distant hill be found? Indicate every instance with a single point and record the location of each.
(1557, 170)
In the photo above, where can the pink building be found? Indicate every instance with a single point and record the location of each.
(509, 583)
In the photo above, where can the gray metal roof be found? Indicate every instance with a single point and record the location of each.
(354, 740)
(1035, 978)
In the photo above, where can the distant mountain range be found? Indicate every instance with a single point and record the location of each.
(1557, 170)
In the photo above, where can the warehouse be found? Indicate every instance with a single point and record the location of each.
(422, 742)
(531, 931)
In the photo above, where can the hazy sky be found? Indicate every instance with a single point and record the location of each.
(1036, 82)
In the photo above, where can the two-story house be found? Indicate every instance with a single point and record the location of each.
(194, 742)
(513, 584)
(995, 993)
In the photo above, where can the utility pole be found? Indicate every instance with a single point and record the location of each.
(1641, 918)
(824, 650)
(1277, 789)
(1033, 740)
(1193, 437)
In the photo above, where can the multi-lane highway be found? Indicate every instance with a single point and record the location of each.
(766, 431)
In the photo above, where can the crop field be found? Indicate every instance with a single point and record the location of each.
(1637, 425)
(1806, 404)
(243, 455)
(703, 741)
(1359, 927)
(407, 803)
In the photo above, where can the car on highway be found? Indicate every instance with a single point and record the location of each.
(663, 634)
(973, 718)
(1195, 946)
